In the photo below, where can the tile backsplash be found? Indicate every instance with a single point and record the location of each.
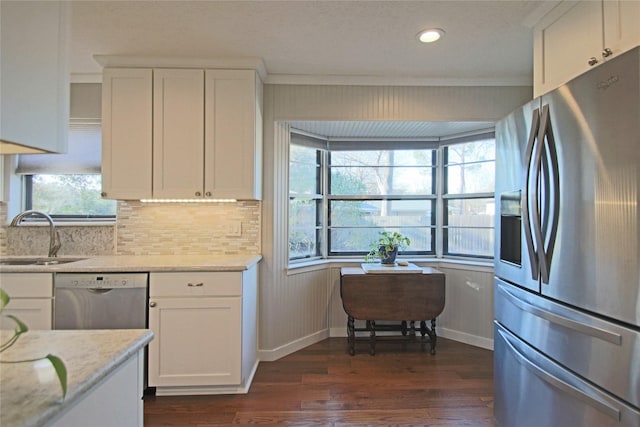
(148, 229)
(188, 228)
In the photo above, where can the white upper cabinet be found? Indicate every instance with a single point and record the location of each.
(34, 76)
(127, 120)
(197, 132)
(576, 36)
(178, 133)
(233, 134)
(621, 25)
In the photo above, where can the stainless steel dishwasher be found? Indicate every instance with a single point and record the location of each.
(100, 301)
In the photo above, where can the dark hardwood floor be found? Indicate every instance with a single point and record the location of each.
(322, 385)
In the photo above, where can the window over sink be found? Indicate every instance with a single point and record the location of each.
(68, 186)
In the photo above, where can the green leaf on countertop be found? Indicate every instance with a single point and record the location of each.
(61, 371)
(4, 299)
(21, 327)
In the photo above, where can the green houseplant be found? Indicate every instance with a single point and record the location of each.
(21, 328)
(386, 247)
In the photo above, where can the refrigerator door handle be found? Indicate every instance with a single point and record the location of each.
(593, 401)
(603, 334)
(526, 213)
(547, 140)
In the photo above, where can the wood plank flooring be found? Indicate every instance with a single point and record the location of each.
(322, 385)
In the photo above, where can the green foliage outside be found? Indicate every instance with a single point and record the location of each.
(70, 195)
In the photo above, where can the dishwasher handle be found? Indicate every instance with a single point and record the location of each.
(99, 291)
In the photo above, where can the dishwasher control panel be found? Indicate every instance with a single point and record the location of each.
(101, 280)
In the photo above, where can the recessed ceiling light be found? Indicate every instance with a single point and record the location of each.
(430, 35)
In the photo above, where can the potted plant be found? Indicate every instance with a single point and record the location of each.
(386, 247)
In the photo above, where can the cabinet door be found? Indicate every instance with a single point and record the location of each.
(564, 41)
(126, 133)
(232, 135)
(34, 67)
(197, 341)
(31, 299)
(36, 313)
(178, 133)
(621, 25)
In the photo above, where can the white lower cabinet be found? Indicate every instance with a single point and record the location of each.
(116, 401)
(31, 299)
(205, 332)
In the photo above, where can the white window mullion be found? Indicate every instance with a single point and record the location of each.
(439, 202)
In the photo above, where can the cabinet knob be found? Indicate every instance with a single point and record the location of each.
(103, 194)
(606, 52)
(593, 61)
(152, 304)
(198, 194)
(208, 194)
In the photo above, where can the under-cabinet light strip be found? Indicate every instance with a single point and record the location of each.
(188, 200)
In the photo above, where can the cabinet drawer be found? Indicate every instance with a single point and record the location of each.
(27, 285)
(195, 284)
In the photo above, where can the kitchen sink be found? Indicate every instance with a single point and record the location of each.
(38, 261)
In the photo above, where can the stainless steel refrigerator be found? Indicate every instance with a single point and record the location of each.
(567, 267)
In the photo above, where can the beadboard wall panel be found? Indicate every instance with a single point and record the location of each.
(285, 103)
(397, 103)
(468, 311)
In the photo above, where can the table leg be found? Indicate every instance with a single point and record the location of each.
(372, 337)
(351, 335)
(433, 336)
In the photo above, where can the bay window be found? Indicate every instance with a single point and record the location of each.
(343, 193)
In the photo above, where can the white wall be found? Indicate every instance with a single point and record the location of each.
(295, 308)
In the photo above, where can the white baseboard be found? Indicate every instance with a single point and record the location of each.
(451, 334)
(292, 347)
(463, 337)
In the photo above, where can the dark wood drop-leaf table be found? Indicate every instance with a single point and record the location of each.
(392, 296)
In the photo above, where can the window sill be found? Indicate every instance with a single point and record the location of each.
(321, 264)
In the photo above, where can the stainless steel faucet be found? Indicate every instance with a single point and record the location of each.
(54, 236)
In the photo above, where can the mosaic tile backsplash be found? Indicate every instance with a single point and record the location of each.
(188, 228)
(148, 229)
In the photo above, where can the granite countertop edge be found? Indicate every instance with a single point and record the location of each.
(138, 263)
(76, 392)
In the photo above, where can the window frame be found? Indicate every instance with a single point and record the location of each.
(430, 198)
(439, 198)
(446, 197)
(27, 182)
(315, 143)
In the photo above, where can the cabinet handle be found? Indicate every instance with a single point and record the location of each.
(195, 285)
(152, 304)
(606, 52)
(198, 194)
(593, 61)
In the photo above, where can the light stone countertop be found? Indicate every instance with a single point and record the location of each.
(139, 263)
(89, 356)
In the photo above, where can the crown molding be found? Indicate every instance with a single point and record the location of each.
(365, 80)
(239, 63)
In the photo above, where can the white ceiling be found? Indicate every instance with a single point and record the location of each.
(324, 41)
(486, 42)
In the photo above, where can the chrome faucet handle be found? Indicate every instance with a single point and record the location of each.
(55, 246)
